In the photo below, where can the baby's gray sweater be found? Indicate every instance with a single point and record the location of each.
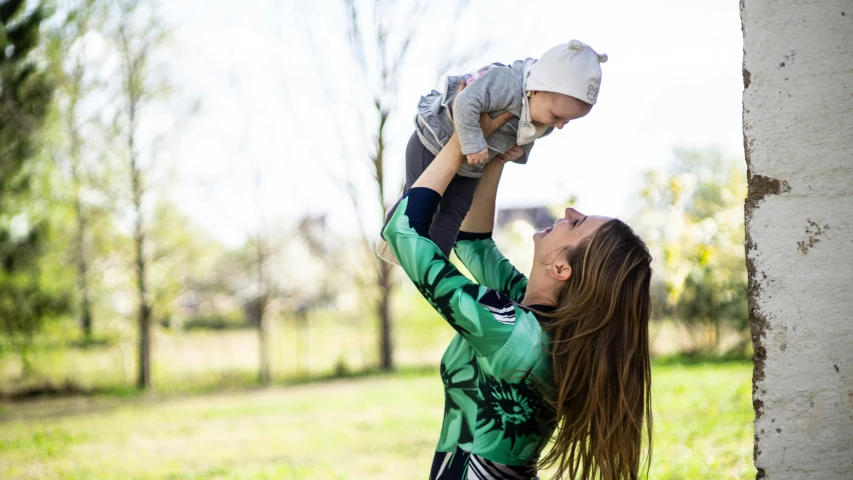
(500, 89)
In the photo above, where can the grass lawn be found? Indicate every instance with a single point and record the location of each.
(367, 428)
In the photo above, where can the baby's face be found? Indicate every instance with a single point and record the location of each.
(555, 109)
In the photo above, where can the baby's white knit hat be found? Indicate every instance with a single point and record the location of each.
(573, 69)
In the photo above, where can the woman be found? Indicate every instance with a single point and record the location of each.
(564, 349)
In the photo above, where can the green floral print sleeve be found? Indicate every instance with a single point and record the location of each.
(480, 255)
(456, 298)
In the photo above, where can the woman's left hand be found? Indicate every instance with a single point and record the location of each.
(489, 124)
(514, 153)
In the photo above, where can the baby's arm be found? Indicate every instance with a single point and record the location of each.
(492, 92)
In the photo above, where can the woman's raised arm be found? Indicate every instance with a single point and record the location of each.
(474, 245)
(481, 215)
(445, 165)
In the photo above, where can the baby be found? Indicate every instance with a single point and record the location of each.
(545, 94)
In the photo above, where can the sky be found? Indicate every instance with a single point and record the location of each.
(267, 95)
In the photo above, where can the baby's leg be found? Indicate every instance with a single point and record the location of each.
(418, 159)
(455, 204)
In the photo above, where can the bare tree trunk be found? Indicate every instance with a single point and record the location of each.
(716, 334)
(383, 278)
(137, 189)
(301, 329)
(386, 361)
(144, 378)
(83, 273)
(297, 328)
(264, 288)
(137, 35)
(83, 300)
(264, 373)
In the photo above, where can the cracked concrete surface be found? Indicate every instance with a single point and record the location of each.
(798, 142)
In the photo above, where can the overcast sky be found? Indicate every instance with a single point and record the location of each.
(673, 79)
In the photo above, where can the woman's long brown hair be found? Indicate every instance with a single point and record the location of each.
(600, 353)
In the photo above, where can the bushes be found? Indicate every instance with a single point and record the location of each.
(208, 322)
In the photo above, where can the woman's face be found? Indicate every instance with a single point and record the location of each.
(567, 232)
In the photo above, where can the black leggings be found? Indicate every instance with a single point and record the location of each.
(455, 202)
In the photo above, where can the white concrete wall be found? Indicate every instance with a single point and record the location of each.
(798, 137)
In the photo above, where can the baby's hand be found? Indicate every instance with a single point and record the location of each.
(514, 153)
(478, 158)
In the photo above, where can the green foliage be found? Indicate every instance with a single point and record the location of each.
(215, 322)
(78, 144)
(27, 299)
(184, 260)
(25, 92)
(692, 219)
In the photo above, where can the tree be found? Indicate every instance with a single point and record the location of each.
(25, 98)
(138, 33)
(78, 80)
(263, 284)
(380, 35)
(261, 259)
(692, 218)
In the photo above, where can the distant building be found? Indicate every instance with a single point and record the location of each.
(538, 217)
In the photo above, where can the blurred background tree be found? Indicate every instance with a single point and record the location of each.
(27, 297)
(139, 32)
(381, 37)
(81, 141)
(692, 219)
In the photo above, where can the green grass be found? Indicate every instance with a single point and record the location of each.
(207, 420)
(364, 428)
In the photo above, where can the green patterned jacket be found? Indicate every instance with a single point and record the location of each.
(495, 366)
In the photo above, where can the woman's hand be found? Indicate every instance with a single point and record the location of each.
(514, 153)
(489, 124)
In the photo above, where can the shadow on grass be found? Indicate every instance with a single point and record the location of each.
(232, 381)
(198, 385)
(407, 371)
(48, 400)
(702, 359)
